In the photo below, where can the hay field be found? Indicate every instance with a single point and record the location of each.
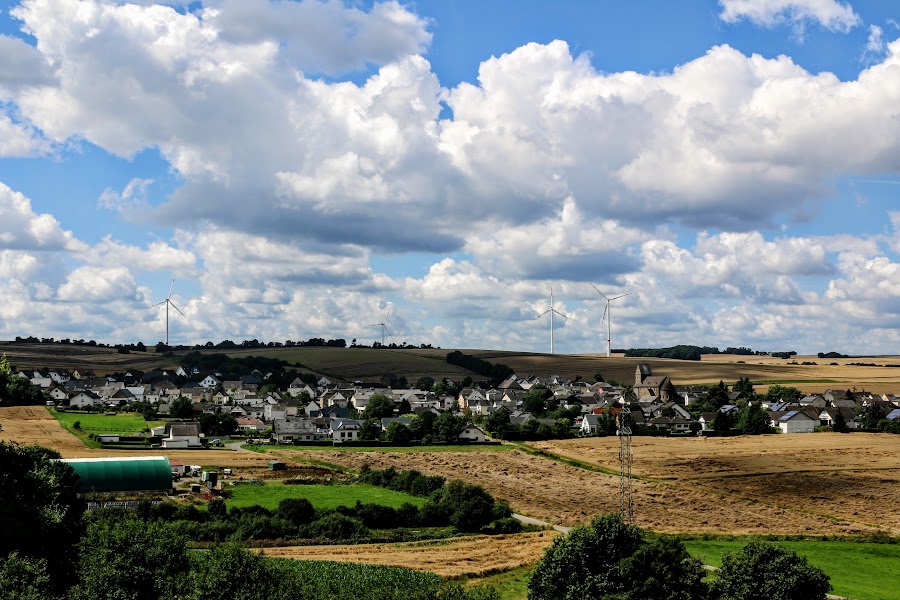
(566, 495)
(453, 558)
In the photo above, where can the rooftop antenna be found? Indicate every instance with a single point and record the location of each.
(383, 326)
(168, 302)
(551, 311)
(607, 318)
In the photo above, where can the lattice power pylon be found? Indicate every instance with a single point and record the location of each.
(626, 458)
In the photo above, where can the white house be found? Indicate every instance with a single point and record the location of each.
(795, 421)
(343, 430)
(304, 430)
(272, 412)
(472, 433)
(210, 381)
(182, 435)
(85, 398)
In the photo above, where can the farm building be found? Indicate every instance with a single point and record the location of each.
(132, 474)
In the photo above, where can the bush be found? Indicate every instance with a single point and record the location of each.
(507, 525)
(298, 511)
(764, 570)
(335, 526)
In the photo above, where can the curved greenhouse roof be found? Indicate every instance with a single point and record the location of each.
(132, 474)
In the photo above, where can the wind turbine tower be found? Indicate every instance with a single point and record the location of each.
(168, 302)
(551, 311)
(607, 317)
(383, 325)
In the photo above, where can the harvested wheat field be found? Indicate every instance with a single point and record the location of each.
(565, 495)
(456, 557)
(702, 458)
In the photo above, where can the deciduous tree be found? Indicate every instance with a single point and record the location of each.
(764, 570)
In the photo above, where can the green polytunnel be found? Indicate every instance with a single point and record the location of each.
(132, 474)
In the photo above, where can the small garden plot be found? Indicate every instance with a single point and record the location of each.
(268, 495)
(862, 571)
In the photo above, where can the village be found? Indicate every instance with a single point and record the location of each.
(533, 407)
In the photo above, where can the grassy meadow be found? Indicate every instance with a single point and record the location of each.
(862, 571)
(321, 496)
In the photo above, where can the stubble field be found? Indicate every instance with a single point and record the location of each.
(469, 556)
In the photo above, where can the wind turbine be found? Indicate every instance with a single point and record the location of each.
(383, 326)
(607, 317)
(168, 302)
(551, 311)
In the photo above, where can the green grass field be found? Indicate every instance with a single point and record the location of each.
(862, 571)
(99, 423)
(321, 496)
(512, 585)
(362, 363)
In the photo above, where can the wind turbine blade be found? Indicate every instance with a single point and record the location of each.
(157, 304)
(560, 314)
(171, 287)
(542, 314)
(620, 296)
(172, 304)
(388, 315)
(605, 310)
(598, 291)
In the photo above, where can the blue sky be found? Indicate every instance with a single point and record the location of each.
(302, 168)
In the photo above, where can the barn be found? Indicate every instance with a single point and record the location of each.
(131, 474)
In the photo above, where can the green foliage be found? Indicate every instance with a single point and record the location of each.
(497, 421)
(869, 416)
(370, 430)
(335, 526)
(298, 511)
(743, 384)
(180, 408)
(754, 420)
(448, 426)
(535, 400)
(425, 383)
(612, 560)
(477, 365)
(467, 507)
(40, 511)
(764, 570)
(23, 578)
(681, 352)
(840, 422)
(783, 393)
(378, 407)
(397, 433)
(15, 390)
(228, 572)
(219, 424)
(586, 562)
(124, 558)
(723, 422)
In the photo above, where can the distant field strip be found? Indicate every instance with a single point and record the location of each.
(861, 571)
(124, 424)
(321, 496)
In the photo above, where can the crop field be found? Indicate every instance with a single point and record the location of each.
(858, 570)
(363, 363)
(459, 557)
(65, 356)
(321, 496)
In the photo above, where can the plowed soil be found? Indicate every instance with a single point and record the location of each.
(456, 557)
